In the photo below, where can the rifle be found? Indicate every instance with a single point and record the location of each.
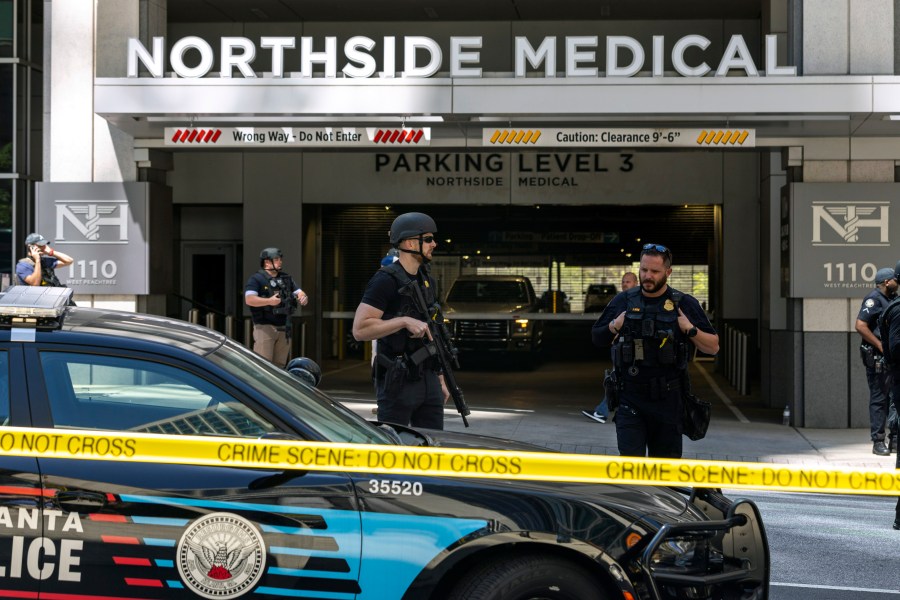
(444, 350)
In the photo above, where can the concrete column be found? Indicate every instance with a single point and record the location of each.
(841, 37)
(71, 87)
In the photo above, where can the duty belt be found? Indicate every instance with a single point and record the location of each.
(415, 359)
(658, 383)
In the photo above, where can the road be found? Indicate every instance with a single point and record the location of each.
(827, 547)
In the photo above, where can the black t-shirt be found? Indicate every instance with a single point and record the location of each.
(382, 293)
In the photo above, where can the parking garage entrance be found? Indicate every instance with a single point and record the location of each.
(562, 249)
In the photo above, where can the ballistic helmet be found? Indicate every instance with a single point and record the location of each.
(269, 254)
(883, 275)
(306, 370)
(410, 225)
(36, 239)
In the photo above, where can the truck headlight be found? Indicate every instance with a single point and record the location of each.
(520, 326)
(684, 554)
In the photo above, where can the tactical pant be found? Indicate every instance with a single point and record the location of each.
(879, 392)
(649, 427)
(417, 403)
(271, 343)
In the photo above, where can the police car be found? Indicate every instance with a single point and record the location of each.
(75, 528)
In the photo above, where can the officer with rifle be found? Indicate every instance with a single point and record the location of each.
(272, 297)
(413, 368)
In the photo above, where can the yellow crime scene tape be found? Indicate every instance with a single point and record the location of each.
(443, 462)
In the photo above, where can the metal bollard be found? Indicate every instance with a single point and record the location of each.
(211, 320)
(229, 326)
(194, 316)
(248, 333)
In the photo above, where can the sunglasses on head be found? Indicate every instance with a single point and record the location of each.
(657, 248)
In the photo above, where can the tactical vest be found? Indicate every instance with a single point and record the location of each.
(267, 288)
(650, 343)
(399, 342)
(48, 275)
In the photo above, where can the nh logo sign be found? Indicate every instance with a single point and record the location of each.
(850, 224)
(95, 221)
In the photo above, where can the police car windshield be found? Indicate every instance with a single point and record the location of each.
(319, 412)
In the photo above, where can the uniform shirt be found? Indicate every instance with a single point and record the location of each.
(603, 337)
(381, 293)
(872, 307)
(260, 285)
(24, 268)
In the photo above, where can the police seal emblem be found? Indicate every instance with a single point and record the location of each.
(221, 555)
(668, 305)
(870, 303)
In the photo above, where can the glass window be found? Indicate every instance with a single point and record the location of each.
(4, 388)
(6, 118)
(6, 28)
(332, 420)
(93, 391)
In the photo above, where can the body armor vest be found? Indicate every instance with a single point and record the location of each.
(399, 342)
(650, 342)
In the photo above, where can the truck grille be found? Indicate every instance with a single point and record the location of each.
(481, 330)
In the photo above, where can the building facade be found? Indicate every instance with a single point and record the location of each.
(759, 140)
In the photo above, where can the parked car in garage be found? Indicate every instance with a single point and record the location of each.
(598, 295)
(79, 527)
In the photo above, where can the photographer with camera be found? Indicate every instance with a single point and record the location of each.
(39, 267)
(272, 297)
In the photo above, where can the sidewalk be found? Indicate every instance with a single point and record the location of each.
(740, 430)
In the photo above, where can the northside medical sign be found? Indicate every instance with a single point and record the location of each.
(625, 56)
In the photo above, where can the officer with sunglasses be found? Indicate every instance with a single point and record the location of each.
(408, 385)
(651, 329)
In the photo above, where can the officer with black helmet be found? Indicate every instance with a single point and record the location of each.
(272, 297)
(408, 384)
(651, 329)
(872, 354)
(889, 329)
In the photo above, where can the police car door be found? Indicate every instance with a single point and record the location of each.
(22, 539)
(141, 530)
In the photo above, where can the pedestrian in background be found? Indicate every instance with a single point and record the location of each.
(601, 411)
(872, 354)
(39, 266)
(408, 386)
(270, 293)
(653, 326)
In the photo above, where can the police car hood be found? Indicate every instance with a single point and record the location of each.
(659, 504)
(484, 307)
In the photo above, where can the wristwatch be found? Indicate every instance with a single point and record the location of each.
(692, 332)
